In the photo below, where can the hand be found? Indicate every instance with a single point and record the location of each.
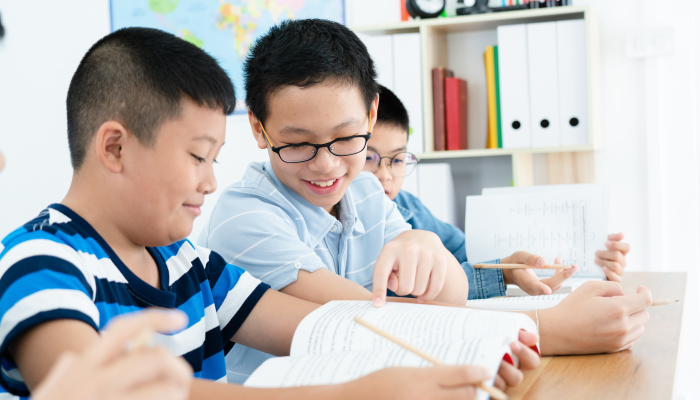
(441, 382)
(106, 371)
(509, 375)
(413, 263)
(613, 259)
(526, 278)
(595, 318)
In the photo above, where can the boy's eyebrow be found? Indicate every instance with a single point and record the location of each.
(402, 148)
(292, 129)
(205, 137)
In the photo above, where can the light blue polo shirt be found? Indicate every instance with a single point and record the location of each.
(265, 228)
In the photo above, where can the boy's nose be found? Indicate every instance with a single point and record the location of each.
(324, 161)
(209, 184)
(384, 172)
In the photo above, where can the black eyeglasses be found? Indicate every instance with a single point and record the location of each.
(400, 165)
(302, 152)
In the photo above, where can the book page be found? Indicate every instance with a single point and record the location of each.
(331, 328)
(335, 368)
(569, 225)
(521, 303)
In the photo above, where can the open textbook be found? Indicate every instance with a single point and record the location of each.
(329, 347)
(567, 221)
(522, 303)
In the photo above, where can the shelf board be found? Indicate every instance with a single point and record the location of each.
(499, 152)
(479, 21)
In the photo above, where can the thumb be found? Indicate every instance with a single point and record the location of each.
(460, 375)
(530, 259)
(603, 288)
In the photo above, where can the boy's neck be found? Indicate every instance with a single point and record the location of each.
(91, 201)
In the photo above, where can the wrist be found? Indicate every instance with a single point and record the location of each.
(550, 340)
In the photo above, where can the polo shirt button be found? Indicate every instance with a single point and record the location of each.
(297, 265)
(334, 228)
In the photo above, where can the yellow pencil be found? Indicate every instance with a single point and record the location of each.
(495, 393)
(521, 266)
(663, 302)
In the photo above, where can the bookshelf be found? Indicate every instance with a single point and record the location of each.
(458, 43)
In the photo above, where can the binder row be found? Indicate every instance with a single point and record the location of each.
(543, 86)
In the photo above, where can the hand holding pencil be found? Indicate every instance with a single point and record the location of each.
(120, 364)
(518, 270)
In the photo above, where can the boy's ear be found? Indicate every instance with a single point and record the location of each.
(373, 108)
(257, 130)
(109, 140)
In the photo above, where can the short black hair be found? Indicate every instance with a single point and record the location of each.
(305, 53)
(391, 110)
(138, 76)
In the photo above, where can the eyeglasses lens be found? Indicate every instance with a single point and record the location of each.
(349, 146)
(372, 161)
(403, 164)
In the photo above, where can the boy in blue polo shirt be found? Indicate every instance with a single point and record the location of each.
(388, 142)
(146, 120)
(311, 224)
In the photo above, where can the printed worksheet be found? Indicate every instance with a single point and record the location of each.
(569, 223)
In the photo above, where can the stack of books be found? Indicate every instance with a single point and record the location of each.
(449, 110)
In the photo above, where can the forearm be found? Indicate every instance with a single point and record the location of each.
(322, 286)
(270, 326)
(210, 390)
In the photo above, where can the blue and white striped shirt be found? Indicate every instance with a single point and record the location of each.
(271, 232)
(58, 267)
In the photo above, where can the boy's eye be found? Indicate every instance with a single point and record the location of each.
(199, 159)
(398, 161)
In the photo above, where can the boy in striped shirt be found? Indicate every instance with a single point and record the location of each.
(146, 120)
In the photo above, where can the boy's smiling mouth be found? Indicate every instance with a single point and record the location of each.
(324, 186)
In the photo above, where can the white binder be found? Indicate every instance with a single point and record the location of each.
(380, 48)
(573, 109)
(514, 91)
(408, 84)
(544, 84)
(436, 190)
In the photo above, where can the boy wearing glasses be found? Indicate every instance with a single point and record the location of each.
(312, 225)
(388, 141)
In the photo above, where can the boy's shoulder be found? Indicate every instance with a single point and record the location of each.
(55, 234)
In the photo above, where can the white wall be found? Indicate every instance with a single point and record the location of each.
(38, 57)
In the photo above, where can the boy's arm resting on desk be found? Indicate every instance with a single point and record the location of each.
(443, 382)
(595, 318)
(271, 324)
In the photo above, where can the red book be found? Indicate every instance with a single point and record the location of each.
(439, 139)
(456, 113)
(404, 11)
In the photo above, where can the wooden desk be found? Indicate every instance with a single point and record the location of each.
(644, 372)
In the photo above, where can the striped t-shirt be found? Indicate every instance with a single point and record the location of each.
(58, 267)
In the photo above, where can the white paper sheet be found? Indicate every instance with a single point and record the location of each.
(518, 303)
(566, 223)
